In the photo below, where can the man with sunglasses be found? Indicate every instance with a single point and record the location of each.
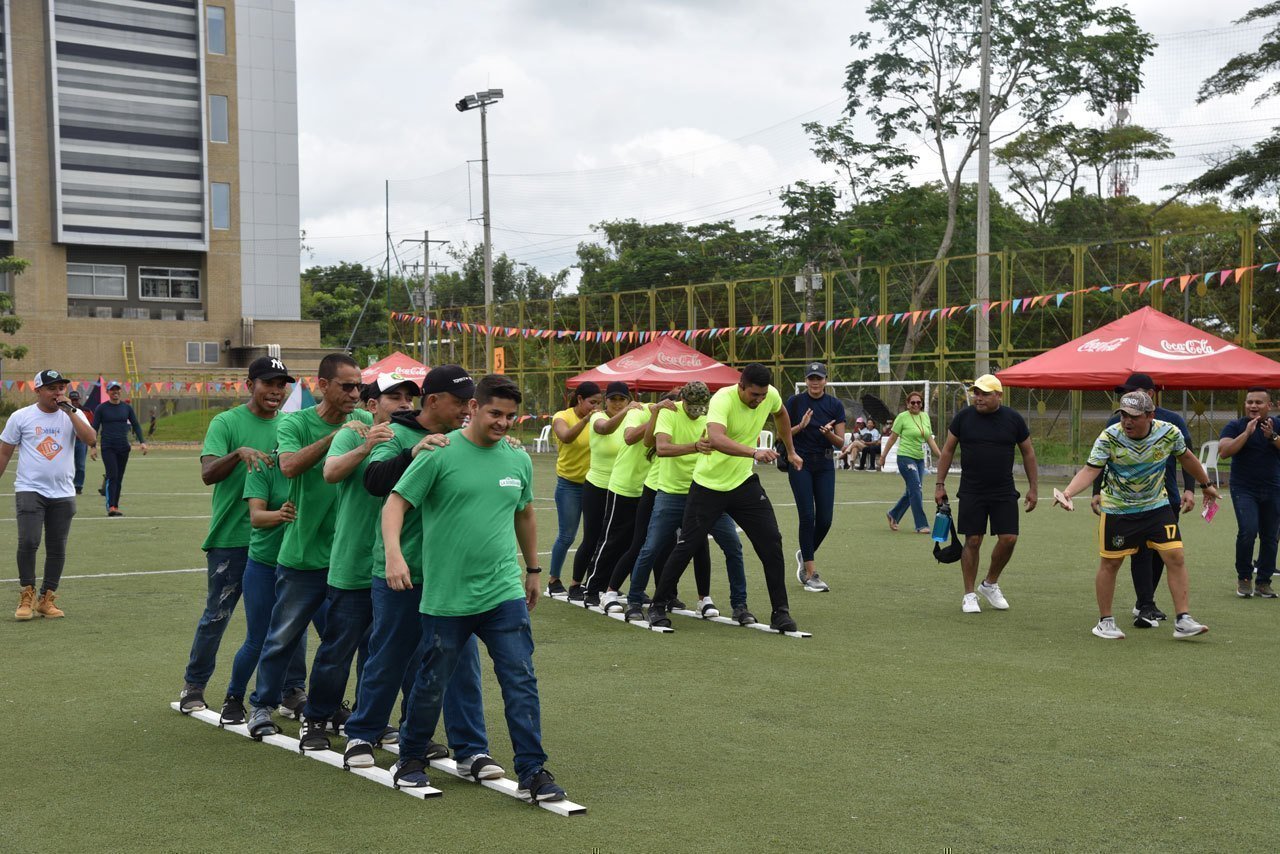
(302, 575)
(1135, 505)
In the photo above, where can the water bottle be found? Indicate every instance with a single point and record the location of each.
(942, 523)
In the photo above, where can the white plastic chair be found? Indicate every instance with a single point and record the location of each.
(1209, 459)
(543, 442)
(765, 440)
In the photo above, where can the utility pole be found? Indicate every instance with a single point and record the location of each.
(426, 288)
(981, 327)
(488, 241)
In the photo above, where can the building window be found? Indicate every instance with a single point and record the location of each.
(169, 283)
(211, 351)
(219, 130)
(217, 29)
(96, 280)
(206, 352)
(220, 195)
(193, 352)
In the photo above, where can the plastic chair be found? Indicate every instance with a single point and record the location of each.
(764, 441)
(543, 442)
(1209, 459)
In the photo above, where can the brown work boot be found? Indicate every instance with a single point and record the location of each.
(26, 601)
(46, 608)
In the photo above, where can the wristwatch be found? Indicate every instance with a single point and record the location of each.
(533, 570)
(1206, 485)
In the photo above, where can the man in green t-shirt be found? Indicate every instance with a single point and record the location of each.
(396, 634)
(238, 440)
(723, 482)
(302, 576)
(475, 499)
(350, 608)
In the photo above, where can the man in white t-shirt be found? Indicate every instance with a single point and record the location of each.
(44, 434)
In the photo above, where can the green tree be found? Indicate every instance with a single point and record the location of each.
(9, 322)
(637, 256)
(512, 280)
(1246, 172)
(918, 80)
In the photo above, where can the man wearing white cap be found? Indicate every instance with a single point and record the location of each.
(986, 433)
(1135, 505)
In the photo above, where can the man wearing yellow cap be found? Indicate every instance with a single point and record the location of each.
(986, 433)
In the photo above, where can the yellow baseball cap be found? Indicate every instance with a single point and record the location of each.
(987, 383)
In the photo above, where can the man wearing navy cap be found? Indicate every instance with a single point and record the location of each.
(113, 420)
(43, 434)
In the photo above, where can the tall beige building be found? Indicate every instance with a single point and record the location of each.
(149, 173)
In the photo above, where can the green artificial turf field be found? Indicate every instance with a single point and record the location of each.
(901, 725)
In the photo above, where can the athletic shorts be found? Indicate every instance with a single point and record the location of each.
(974, 514)
(1121, 534)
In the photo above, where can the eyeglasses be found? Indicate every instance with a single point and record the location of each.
(349, 387)
(914, 402)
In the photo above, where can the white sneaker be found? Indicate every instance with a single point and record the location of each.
(1187, 627)
(799, 566)
(707, 608)
(814, 584)
(970, 604)
(991, 592)
(610, 602)
(1106, 628)
(480, 767)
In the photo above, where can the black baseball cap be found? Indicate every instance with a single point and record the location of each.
(48, 377)
(816, 369)
(1136, 382)
(588, 389)
(74, 395)
(269, 368)
(617, 388)
(449, 378)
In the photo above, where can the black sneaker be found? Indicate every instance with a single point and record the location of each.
(313, 735)
(645, 599)
(1146, 619)
(577, 593)
(292, 702)
(540, 787)
(191, 699)
(436, 750)
(592, 599)
(232, 711)
(676, 604)
(555, 588)
(658, 616)
(1160, 615)
(339, 719)
(390, 735)
(634, 613)
(743, 616)
(781, 621)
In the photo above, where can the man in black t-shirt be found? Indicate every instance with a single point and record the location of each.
(987, 433)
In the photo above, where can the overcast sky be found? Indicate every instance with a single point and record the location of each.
(662, 111)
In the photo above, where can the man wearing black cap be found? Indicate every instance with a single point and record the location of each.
(81, 449)
(238, 441)
(1146, 567)
(396, 633)
(45, 498)
(113, 420)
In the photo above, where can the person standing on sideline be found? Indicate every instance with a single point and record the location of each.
(43, 491)
(1135, 505)
(817, 429)
(986, 434)
(302, 575)
(113, 420)
(475, 500)
(723, 482)
(244, 435)
(1252, 443)
(81, 449)
(1146, 567)
(911, 430)
(573, 459)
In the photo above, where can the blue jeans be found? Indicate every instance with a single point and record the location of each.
(506, 634)
(395, 648)
(668, 513)
(568, 515)
(345, 633)
(300, 594)
(912, 472)
(225, 573)
(1257, 518)
(814, 487)
(259, 585)
(81, 451)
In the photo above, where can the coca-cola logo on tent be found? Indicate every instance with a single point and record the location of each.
(1097, 345)
(628, 363)
(685, 361)
(1181, 351)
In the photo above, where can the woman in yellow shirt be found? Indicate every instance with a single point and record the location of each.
(573, 458)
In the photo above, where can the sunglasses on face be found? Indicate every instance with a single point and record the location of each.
(913, 403)
(349, 387)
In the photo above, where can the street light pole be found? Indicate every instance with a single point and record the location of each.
(470, 102)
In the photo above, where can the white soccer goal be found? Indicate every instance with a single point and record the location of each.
(942, 400)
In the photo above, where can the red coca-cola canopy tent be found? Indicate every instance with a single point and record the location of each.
(407, 366)
(660, 365)
(1175, 354)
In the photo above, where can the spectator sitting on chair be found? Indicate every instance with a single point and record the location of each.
(870, 438)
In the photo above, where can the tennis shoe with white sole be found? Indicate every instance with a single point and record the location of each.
(1107, 630)
(707, 608)
(1186, 627)
(359, 754)
(814, 584)
(969, 604)
(480, 767)
(799, 566)
(610, 601)
(991, 592)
